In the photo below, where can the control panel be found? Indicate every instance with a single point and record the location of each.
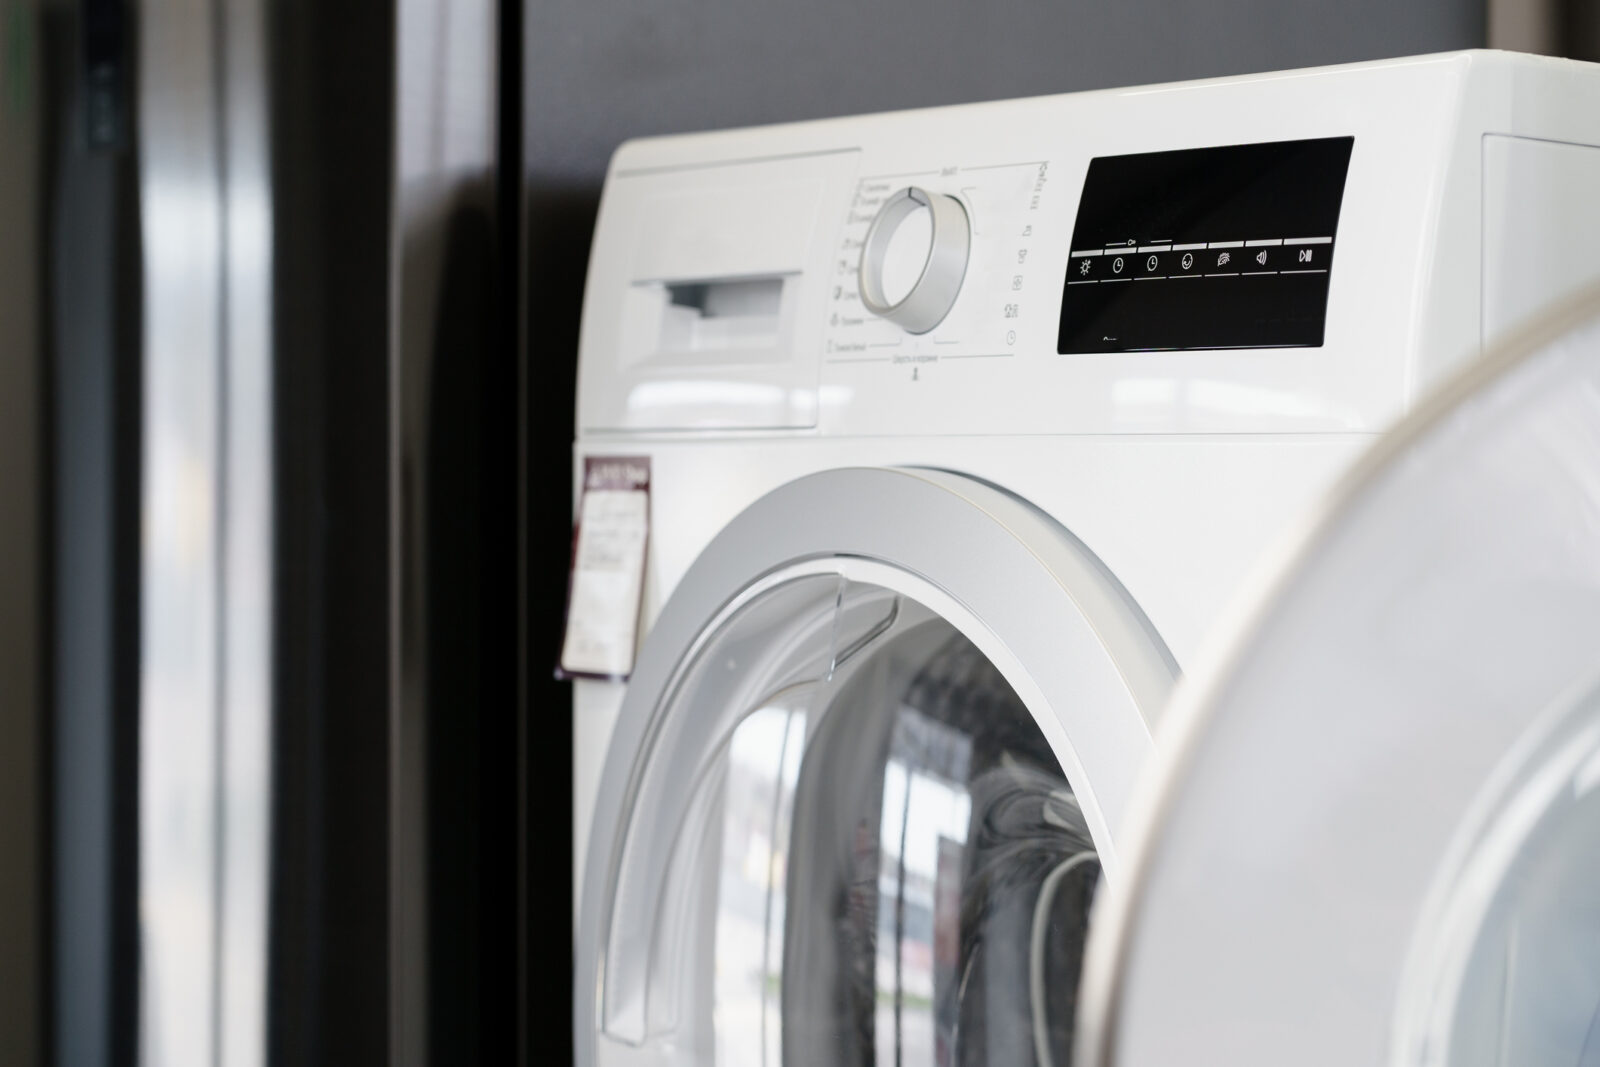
(938, 264)
(1226, 247)
(1292, 252)
(914, 258)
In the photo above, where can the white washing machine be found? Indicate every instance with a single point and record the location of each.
(1374, 834)
(964, 425)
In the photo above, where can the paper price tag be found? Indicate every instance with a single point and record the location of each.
(608, 560)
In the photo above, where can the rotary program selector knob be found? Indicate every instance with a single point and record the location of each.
(896, 247)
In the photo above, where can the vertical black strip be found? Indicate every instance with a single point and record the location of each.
(513, 325)
(126, 599)
(126, 596)
(468, 641)
(106, 57)
(512, 257)
(1580, 29)
(331, 77)
(559, 217)
(296, 911)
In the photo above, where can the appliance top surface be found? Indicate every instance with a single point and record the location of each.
(1287, 252)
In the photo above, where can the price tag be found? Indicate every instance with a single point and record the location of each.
(608, 559)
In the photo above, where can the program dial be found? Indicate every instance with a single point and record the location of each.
(914, 258)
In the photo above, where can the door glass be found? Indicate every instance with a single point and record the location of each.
(1514, 966)
(878, 861)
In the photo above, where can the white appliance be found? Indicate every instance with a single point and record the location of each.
(1374, 836)
(965, 425)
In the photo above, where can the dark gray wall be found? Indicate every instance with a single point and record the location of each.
(599, 73)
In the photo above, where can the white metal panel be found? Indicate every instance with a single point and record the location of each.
(982, 371)
(1405, 286)
(247, 549)
(1180, 521)
(205, 568)
(1541, 228)
(182, 206)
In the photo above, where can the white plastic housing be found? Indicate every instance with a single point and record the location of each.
(713, 341)
(1461, 179)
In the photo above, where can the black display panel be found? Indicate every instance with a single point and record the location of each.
(1225, 247)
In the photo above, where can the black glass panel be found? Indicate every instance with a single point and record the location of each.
(1228, 247)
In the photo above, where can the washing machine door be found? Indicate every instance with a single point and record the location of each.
(865, 780)
(1375, 836)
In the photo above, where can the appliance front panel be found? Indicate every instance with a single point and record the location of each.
(1260, 179)
(944, 731)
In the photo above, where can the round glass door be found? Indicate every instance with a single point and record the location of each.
(1507, 964)
(876, 858)
(1374, 836)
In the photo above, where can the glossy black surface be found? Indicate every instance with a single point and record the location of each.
(1141, 289)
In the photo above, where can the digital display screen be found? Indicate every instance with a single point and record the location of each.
(1227, 247)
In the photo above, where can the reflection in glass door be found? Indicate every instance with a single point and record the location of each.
(880, 863)
(763, 764)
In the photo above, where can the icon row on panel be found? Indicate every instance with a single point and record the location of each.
(1134, 263)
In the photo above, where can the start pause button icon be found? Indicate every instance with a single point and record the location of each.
(1305, 255)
